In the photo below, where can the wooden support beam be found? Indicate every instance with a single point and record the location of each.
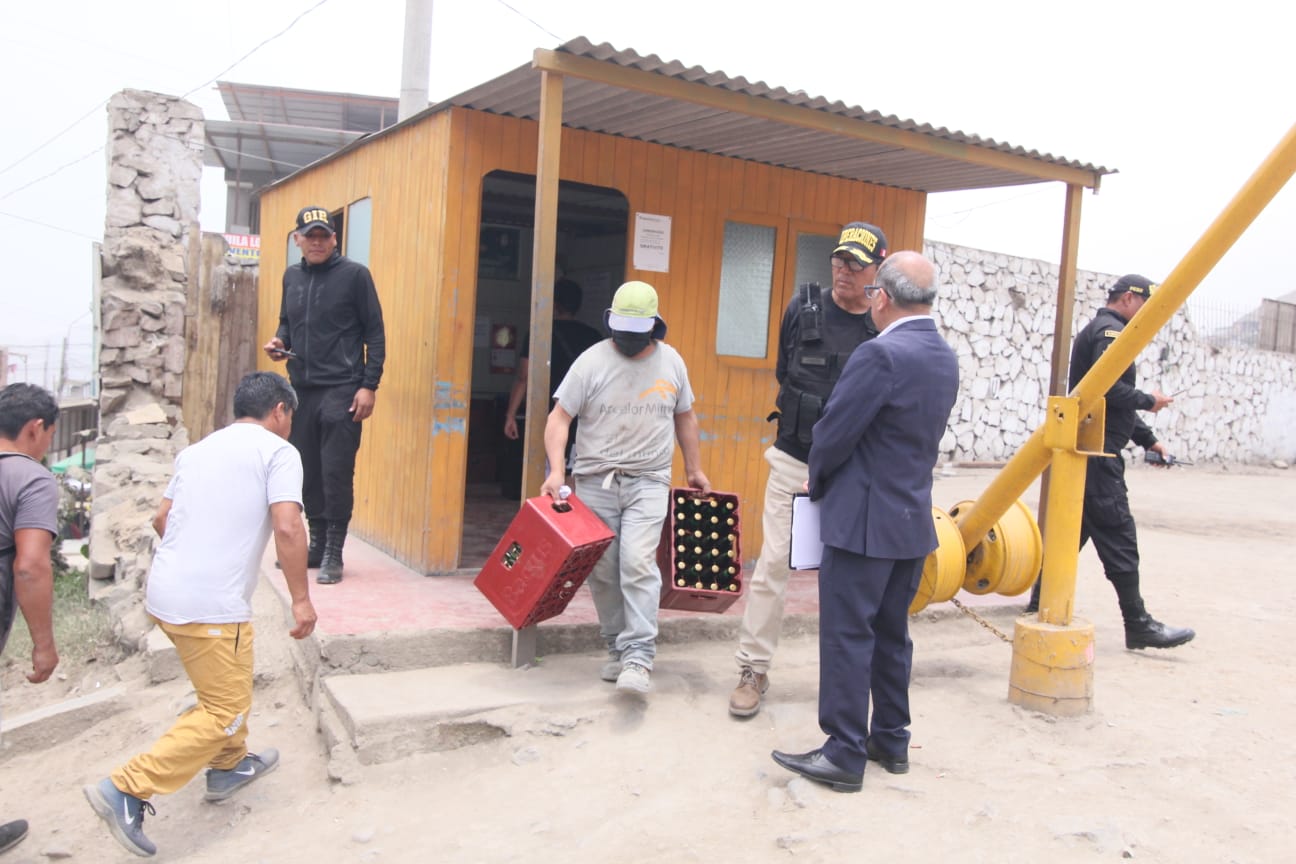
(544, 248)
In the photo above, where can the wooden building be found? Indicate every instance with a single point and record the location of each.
(602, 165)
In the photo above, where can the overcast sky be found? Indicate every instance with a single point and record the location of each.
(1184, 99)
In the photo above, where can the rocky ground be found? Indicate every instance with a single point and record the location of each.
(1183, 758)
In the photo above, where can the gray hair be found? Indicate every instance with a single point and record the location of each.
(906, 284)
(259, 392)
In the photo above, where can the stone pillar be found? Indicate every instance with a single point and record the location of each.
(150, 246)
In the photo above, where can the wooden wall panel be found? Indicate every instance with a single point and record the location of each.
(403, 174)
(426, 181)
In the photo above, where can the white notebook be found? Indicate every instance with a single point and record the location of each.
(806, 550)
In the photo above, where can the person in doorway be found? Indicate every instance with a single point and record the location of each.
(871, 471)
(29, 501)
(817, 336)
(331, 333)
(633, 398)
(570, 338)
(1107, 518)
(229, 493)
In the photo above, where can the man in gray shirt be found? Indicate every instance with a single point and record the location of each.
(28, 525)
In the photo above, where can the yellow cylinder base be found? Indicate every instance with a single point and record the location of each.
(1052, 667)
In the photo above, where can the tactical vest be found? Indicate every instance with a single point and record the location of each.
(811, 373)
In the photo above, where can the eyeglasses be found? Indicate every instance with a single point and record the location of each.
(851, 264)
(871, 291)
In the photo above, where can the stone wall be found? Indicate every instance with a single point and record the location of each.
(150, 236)
(997, 313)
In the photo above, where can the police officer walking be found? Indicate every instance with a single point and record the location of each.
(1107, 517)
(818, 333)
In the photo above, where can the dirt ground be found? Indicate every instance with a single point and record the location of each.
(1183, 759)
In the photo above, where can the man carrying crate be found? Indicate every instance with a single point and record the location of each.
(632, 396)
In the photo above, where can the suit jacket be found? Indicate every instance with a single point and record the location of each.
(877, 443)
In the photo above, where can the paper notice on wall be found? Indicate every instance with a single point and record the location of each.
(481, 332)
(652, 242)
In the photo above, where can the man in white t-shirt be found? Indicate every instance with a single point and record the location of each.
(228, 493)
(632, 396)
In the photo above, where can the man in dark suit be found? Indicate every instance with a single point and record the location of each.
(871, 472)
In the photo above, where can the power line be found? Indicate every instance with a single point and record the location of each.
(258, 47)
(58, 170)
(98, 105)
(47, 225)
(540, 26)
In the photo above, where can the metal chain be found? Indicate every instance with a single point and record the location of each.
(977, 618)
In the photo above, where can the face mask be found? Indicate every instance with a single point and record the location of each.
(629, 343)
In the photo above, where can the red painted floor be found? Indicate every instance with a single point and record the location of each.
(379, 594)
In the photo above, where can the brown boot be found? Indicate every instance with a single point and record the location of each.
(746, 698)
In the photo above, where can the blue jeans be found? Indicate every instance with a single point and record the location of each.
(626, 583)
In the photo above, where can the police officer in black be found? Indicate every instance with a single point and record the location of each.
(331, 333)
(1107, 517)
(819, 332)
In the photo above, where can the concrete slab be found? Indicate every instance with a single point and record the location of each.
(393, 714)
(61, 721)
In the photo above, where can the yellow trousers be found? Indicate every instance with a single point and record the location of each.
(218, 660)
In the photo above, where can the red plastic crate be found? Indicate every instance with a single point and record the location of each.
(690, 597)
(542, 559)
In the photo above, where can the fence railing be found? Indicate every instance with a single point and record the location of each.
(1269, 327)
(75, 418)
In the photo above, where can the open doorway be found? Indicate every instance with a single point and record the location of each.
(591, 252)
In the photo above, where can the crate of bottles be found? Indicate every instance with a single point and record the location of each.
(700, 555)
(544, 556)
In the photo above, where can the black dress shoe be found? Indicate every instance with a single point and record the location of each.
(892, 764)
(817, 767)
(1147, 632)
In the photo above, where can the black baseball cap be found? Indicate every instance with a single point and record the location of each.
(1133, 283)
(314, 217)
(864, 242)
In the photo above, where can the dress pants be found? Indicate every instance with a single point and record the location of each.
(864, 649)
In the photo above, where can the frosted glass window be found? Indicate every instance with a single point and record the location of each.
(746, 280)
(813, 252)
(359, 228)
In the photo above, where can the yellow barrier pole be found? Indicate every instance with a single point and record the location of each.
(1015, 477)
(1052, 661)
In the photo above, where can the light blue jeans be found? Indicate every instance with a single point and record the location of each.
(626, 583)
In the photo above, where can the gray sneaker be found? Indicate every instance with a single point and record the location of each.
(124, 815)
(634, 679)
(12, 833)
(223, 784)
(611, 669)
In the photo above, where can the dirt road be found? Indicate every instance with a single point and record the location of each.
(1185, 757)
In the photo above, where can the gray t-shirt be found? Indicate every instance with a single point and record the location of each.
(29, 498)
(626, 409)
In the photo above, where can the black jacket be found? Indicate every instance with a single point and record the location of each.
(1123, 399)
(329, 316)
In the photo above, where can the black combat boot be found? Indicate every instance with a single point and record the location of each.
(331, 567)
(1032, 605)
(1147, 632)
(315, 552)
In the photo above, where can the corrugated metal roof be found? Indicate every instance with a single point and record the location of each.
(277, 131)
(836, 145)
(604, 107)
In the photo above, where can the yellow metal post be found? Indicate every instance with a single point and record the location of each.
(1033, 457)
(542, 279)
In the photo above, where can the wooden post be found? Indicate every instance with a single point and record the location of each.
(542, 279)
(1062, 321)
